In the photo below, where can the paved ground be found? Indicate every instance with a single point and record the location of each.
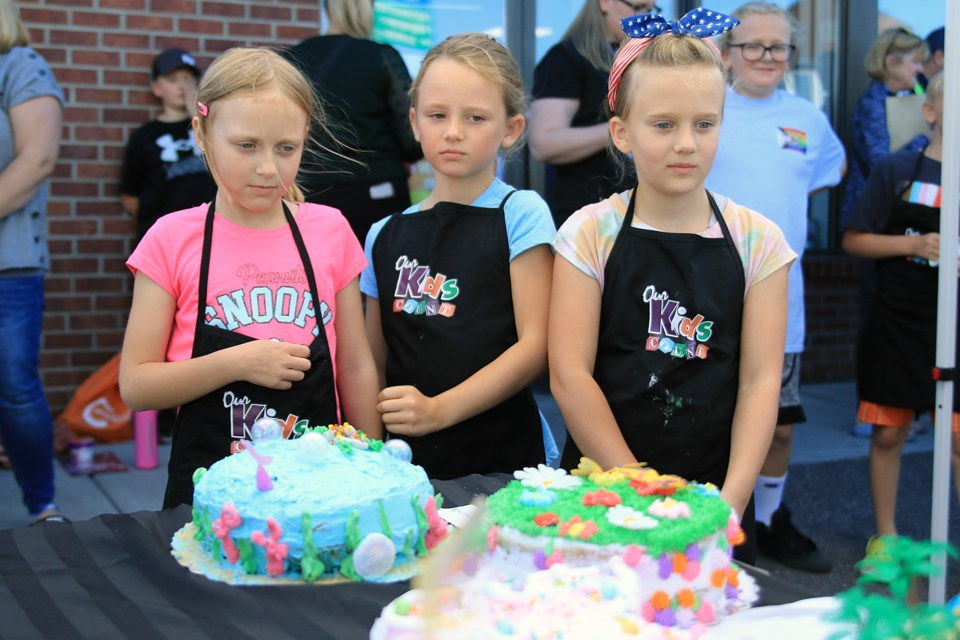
(827, 491)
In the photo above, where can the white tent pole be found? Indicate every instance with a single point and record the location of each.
(947, 298)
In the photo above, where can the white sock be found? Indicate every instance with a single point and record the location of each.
(767, 494)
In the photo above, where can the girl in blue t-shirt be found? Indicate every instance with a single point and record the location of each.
(460, 284)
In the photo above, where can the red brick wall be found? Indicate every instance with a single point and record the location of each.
(832, 296)
(100, 52)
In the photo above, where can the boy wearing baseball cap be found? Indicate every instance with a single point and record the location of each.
(162, 170)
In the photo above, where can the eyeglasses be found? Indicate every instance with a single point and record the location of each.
(642, 7)
(754, 51)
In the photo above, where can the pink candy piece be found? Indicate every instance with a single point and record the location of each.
(691, 571)
(706, 613)
(276, 551)
(632, 555)
(229, 519)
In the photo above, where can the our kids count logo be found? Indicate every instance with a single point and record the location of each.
(418, 292)
(672, 331)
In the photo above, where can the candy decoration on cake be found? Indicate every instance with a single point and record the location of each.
(399, 449)
(332, 503)
(264, 483)
(266, 429)
(311, 566)
(228, 521)
(374, 556)
(276, 551)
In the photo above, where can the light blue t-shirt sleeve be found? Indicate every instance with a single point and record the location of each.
(528, 221)
(368, 279)
(829, 159)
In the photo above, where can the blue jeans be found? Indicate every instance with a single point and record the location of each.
(26, 428)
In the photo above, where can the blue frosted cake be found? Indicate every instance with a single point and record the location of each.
(332, 503)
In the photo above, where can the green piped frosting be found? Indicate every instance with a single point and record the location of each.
(247, 560)
(311, 567)
(708, 515)
(385, 521)
(352, 536)
(422, 524)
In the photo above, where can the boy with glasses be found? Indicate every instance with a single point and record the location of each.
(775, 150)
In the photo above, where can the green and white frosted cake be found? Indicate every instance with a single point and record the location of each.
(624, 553)
(332, 503)
(675, 536)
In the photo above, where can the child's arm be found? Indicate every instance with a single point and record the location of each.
(573, 330)
(148, 381)
(357, 383)
(763, 333)
(878, 245)
(406, 411)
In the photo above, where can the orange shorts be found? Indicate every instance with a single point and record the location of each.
(883, 416)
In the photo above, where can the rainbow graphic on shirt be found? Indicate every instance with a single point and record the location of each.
(793, 139)
(924, 193)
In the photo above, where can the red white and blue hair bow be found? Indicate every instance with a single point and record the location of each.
(699, 23)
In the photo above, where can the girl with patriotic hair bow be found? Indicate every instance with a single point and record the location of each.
(668, 313)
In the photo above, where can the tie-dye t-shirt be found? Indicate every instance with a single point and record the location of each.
(586, 238)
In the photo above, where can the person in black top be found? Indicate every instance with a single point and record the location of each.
(568, 124)
(363, 85)
(162, 170)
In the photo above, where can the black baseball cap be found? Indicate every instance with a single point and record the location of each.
(173, 59)
(935, 40)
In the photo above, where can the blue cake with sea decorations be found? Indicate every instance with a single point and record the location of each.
(330, 504)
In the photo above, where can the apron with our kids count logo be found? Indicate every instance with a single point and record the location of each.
(446, 310)
(899, 341)
(211, 427)
(668, 350)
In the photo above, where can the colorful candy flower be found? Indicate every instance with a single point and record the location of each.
(601, 497)
(576, 527)
(544, 477)
(629, 518)
(546, 519)
(669, 508)
(537, 498)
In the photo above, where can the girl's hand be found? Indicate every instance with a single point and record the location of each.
(272, 364)
(927, 246)
(406, 411)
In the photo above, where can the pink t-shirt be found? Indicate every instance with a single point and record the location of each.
(257, 285)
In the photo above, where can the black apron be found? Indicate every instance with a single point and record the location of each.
(899, 341)
(446, 309)
(210, 427)
(668, 354)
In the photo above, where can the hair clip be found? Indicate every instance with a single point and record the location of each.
(699, 23)
(202, 109)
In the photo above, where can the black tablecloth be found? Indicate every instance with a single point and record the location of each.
(113, 577)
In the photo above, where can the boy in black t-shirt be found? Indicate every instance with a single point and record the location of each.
(162, 169)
